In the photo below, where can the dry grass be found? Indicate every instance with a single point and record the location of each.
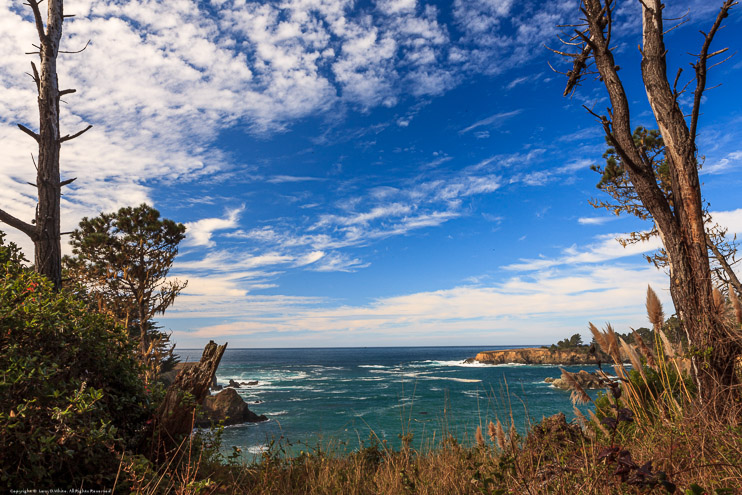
(649, 435)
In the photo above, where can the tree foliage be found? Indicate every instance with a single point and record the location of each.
(616, 183)
(123, 260)
(70, 389)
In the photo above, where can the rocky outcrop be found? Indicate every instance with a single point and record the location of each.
(585, 379)
(226, 406)
(168, 377)
(535, 355)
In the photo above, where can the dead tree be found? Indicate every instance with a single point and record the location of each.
(679, 219)
(175, 416)
(44, 231)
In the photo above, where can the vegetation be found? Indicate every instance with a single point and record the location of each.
(122, 260)
(71, 396)
(79, 410)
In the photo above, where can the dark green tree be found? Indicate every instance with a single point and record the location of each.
(123, 259)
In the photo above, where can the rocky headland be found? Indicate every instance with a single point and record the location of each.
(537, 355)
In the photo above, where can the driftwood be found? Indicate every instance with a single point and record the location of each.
(175, 416)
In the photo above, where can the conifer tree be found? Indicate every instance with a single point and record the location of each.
(123, 259)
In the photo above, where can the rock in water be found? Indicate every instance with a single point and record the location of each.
(229, 407)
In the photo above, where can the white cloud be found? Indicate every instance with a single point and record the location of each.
(729, 162)
(199, 233)
(606, 249)
(520, 310)
(595, 220)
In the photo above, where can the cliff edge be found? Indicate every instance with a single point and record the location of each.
(535, 355)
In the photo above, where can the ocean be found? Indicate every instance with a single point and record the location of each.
(341, 398)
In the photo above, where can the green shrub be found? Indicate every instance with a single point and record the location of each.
(70, 393)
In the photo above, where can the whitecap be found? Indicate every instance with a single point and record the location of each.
(277, 413)
(371, 366)
(257, 449)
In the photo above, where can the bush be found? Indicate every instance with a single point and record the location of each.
(70, 393)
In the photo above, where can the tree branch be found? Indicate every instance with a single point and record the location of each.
(67, 182)
(77, 134)
(19, 224)
(28, 131)
(77, 51)
(725, 265)
(700, 66)
(37, 18)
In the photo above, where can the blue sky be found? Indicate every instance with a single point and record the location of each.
(398, 172)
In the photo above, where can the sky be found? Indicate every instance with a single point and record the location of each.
(363, 173)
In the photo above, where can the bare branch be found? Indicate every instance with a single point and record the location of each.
(24, 227)
(36, 76)
(77, 51)
(723, 262)
(701, 69)
(73, 136)
(37, 18)
(578, 69)
(67, 92)
(675, 26)
(29, 132)
(67, 182)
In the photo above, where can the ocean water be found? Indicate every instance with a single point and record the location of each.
(339, 398)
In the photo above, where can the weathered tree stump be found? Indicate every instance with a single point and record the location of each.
(175, 416)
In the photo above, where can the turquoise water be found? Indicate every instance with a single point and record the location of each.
(339, 397)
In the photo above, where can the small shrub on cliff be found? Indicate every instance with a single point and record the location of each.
(70, 392)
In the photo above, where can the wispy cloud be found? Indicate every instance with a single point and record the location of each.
(495, 120)
(199, 233)
(595, 220)
(519, 310)
(280, 179)
(730, 162)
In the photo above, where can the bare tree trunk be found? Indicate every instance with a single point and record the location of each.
(680, 223)
(48, 251)
(45, 232)
(174, 418)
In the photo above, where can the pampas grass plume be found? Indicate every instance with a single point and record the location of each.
(500, 435)
(600, 338)
(654, 309)
(645, 350)
(478, 436)
(735, 304)
(578, 393)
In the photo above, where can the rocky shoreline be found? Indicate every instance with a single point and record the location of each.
(226, 406)
(537, 355)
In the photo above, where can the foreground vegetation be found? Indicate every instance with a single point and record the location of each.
(75, 413)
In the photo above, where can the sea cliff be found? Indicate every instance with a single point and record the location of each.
(535, 355)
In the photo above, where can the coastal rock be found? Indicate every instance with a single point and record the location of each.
(535, 355)
(586, 380)
(233, 384)
(252, 382)
(168, 377)
(229, 407)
